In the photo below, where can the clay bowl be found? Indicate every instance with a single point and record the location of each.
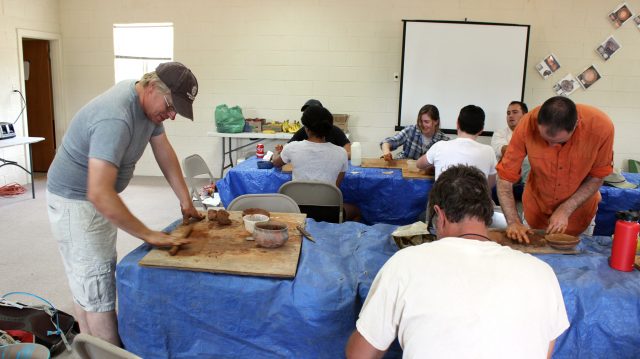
(561, 241)
(270, 234)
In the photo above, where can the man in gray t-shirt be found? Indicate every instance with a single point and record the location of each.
(94, 164)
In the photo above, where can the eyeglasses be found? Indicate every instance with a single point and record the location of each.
(170, 107)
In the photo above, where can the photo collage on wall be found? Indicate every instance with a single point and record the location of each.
(568, 84)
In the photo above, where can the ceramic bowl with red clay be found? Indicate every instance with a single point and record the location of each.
(271, 234)
(562, 241)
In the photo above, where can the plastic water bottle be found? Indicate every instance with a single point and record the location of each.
(625, 239)
(356, 154)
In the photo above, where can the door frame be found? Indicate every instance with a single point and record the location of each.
(55, 49)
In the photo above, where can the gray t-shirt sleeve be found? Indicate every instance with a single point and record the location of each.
(109, 141)
(158, 130)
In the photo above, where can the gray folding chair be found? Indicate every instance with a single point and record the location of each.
(272, 202)
(194, 168)
(88, 347)
(320, 201)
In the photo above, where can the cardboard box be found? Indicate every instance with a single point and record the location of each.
(255, 123)
(341, 121)
(273, 126)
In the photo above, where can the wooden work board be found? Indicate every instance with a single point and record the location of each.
(381, 163)
(422, 174)
(225, 249)
(500, 237)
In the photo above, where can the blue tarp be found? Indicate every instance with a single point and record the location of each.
(382, 195)
(614, 200)
(385, 197)
(182, 314)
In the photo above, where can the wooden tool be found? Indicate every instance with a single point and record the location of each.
(305, 233)
(183, 231)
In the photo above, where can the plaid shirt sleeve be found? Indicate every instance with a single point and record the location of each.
(398, 139)
(410, 138)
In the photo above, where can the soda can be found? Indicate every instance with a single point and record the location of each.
(260, 151)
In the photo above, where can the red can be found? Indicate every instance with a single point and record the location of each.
(260, 151)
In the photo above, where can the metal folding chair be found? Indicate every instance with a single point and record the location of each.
(319, 200)
(272, 202)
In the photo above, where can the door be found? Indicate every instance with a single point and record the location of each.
(39, 96)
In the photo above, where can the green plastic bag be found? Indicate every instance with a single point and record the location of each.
(229, 120)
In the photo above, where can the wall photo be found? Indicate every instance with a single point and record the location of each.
(609, 47)
(548, 66)
(566, 86)
(588, 77)
(620, 15)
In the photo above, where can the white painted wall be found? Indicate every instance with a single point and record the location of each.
(36, 16)
(270, 56)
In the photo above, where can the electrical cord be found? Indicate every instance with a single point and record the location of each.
(24, 105)
(51, 310)
(11, 189)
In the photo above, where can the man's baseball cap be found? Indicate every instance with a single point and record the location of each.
(311, 102)
(183, 86)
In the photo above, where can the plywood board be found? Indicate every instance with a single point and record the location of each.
(541, 247)
(225, 249)
(406, 173)
(381, 163)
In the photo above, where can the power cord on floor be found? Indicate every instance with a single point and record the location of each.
(11, 189)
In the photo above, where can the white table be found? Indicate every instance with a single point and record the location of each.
(254, 137)
(17, 141)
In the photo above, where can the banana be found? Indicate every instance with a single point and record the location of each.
(285, 126)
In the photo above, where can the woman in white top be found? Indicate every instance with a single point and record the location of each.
(315, 159)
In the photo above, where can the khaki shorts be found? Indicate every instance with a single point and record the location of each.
(87, 243)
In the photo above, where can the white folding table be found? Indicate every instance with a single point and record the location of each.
(17, 141)
(254, 138)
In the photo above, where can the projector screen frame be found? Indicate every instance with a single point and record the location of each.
(399, 125)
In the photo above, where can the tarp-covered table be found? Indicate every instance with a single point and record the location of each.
(614, 200)
(167, 313)
(382, 195)
(385, 197)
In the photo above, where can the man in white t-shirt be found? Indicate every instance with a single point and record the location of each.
(462, 296)
(500, 140)
(464, 149)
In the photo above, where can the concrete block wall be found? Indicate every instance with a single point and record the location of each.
(270, 56)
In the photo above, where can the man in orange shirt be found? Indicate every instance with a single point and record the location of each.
(570, 149)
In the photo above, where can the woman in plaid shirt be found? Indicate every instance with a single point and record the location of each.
(416, 139)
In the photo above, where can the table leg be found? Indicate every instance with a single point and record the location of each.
(230, 157)
(223, 157)
(33, 185)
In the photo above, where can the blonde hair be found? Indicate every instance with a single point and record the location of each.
(151, 78)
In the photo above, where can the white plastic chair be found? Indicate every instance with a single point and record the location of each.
(272, 202)
(88, 347)
(312, 196)
(194, 166)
